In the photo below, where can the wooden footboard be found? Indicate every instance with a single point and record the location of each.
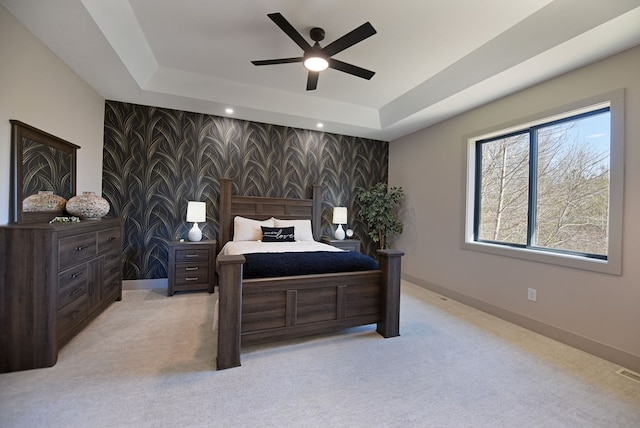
(260, 310)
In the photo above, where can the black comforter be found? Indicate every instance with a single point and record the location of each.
(271, 265)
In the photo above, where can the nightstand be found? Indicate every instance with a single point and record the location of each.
(192, 266)
(345, 244)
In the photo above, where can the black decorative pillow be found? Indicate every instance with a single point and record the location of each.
(278, 234)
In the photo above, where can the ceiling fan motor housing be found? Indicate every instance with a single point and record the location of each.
(317, 34)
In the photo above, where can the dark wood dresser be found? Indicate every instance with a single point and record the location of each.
(54, 279)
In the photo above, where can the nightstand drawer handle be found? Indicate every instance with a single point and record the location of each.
(111, 238)
(191, 278)
(75, 291)
(191, 255)
(191, 268)
(75, 275)
(81, 247)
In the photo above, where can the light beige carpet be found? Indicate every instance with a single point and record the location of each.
(149, 360)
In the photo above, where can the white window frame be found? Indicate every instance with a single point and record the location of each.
(613, 264)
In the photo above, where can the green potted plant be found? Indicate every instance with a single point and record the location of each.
(379, 207)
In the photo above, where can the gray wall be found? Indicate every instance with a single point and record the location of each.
(597, 312)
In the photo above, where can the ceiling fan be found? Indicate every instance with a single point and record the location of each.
(317, 58)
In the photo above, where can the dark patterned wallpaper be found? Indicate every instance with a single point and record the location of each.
(155, 160)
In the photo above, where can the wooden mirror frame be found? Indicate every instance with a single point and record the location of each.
(20, 131)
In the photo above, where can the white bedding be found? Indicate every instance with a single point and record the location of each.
(245, 247)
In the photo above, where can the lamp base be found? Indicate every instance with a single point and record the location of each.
(195, 234)
(339, 234)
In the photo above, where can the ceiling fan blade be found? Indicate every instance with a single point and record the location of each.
(351, 38)
(289, 30)
(351, 69)
(278, 61)
(312, 80)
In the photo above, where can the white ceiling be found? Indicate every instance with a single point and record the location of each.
(433, 58)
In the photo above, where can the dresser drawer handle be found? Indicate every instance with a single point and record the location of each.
(191, 268)
(191, 278)
(81, 247)
(191, 255)
(75, 291)
(111, 238)
(113, 256)
(75, 275)
(74, 314)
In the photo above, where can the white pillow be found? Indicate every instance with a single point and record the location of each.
(302, 228)
(247, 229)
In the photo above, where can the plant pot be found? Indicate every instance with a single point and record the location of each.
(43, 201)
(88, 206)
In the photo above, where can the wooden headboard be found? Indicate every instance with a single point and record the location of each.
(262, 208)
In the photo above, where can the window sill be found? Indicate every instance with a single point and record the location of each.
(576, 262)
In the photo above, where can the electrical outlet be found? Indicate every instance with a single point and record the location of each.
(532, 294)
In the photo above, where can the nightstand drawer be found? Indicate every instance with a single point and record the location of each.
(192, 255)
(191, 274)
(345, 244)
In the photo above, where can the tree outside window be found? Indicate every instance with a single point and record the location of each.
(547, 186)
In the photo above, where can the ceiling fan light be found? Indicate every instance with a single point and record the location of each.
(316, 63)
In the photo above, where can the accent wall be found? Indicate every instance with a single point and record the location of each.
(156, 160)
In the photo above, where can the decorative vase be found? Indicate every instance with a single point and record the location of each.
(44, 200)
(88, 206)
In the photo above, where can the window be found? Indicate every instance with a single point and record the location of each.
(546, 190)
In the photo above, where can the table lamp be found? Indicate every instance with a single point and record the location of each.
(339, 218)
(196, 213)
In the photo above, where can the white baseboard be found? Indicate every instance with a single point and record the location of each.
(144, 284)
(598, 349)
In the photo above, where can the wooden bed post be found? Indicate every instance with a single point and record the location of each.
(389, 262)
(316, 219)
(229, 310)
(224, 214)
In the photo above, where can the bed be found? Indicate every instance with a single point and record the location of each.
(259, 310)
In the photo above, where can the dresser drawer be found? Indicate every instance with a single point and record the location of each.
(191, 273)
(111, 285)
(72, 315)
(112, 270)
(75, 249)
(112, 263)
(192, 255)
(110, 239)
(72, 284)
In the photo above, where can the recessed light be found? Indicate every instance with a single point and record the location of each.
(229, 110)
(320, 125)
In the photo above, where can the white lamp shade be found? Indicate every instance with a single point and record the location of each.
(196, 211)
(340, 215)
